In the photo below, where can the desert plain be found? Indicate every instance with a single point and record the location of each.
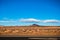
(30, 31)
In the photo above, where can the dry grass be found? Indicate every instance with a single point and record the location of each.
(31, 31)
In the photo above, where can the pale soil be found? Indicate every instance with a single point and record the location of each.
(30, 31)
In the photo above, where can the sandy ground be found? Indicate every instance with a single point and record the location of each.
(52, 31)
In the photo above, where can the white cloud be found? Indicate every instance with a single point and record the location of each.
(51, 21)
(30, 20)
(43, 21)
(7, 21)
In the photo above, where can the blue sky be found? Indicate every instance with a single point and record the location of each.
(15, 10)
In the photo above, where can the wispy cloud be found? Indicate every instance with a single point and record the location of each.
(7, 21)
(43, 21)
(27, 21)
(30, 20)
(51, 21)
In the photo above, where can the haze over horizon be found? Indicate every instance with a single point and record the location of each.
(27, 12)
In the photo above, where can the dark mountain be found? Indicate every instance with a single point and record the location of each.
(34, 25)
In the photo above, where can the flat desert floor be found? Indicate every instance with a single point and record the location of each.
(30, 32)
(27, 31)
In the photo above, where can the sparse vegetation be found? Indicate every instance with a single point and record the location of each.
(31, 31)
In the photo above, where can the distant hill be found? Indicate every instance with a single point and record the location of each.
(34, 25)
